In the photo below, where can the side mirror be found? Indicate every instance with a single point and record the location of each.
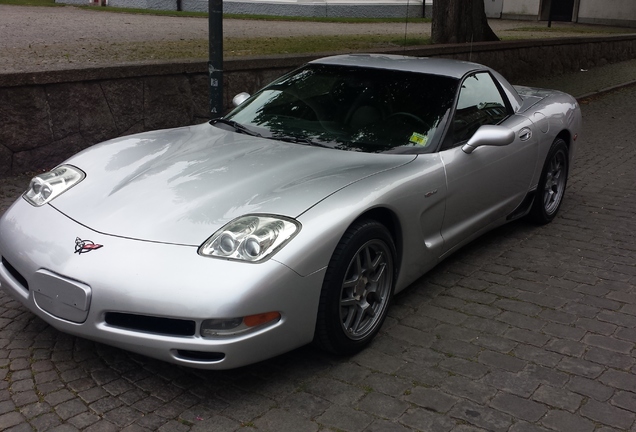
(489, 135)
(240, 98)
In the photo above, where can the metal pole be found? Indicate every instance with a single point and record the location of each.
(550, 13)
(215, 64)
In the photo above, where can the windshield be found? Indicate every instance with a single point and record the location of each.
(351, 108)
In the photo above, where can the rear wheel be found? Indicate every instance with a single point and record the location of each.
(357, 289)
(552, 184)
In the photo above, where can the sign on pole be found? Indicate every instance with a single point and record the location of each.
(215, 64)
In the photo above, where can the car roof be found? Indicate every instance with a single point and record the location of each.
(426, 65)
(436, 66)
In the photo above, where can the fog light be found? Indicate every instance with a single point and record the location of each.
(212, 327)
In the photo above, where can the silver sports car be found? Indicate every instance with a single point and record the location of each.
(294, 218)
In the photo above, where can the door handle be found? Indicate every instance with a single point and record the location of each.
(525, 134)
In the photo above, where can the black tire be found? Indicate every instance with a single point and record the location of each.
(552, 184)
(358, 284)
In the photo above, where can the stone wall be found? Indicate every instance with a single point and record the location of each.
(45, 117)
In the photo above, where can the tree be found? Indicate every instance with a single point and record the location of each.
(458, 21)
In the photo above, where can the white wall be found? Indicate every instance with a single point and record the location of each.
(608, 10)
(523, 7)
(493, 8)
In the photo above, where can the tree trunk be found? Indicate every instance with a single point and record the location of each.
(458, 21)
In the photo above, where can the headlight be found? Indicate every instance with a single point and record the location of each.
(250, 238)
(45, 187)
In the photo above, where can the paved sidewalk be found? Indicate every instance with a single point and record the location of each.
(54, 38)
(527, 329)
(590, 82)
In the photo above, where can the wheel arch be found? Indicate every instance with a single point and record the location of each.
(391, 222)
(569, 138)
(566, 136)
(376, 226)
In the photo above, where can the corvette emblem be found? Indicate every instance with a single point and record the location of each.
(84, 246)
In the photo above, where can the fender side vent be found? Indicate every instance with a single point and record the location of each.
(151, 324)
(16, 274)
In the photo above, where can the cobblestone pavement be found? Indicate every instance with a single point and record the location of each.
(526, 329)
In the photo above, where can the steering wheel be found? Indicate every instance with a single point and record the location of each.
(304, 110)
(408, 118)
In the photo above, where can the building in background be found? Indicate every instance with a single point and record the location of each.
(607, 12)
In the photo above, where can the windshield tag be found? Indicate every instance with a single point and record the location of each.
(419, 139)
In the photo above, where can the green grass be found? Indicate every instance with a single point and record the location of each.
(308, 44)
(198, 49)
(254, 17)
(572, 29)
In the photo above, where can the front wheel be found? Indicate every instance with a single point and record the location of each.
(552, 184)
(357, 289)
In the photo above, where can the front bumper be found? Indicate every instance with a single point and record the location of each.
(75, 292)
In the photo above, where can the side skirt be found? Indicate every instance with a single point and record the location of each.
(523, 208)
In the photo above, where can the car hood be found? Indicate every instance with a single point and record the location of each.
(181, 185)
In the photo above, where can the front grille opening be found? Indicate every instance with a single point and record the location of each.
(151, 324)
(200, 356)
(16, 274)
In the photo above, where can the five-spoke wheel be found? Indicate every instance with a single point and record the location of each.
(366, 289)
(358, 288)
(552, 183)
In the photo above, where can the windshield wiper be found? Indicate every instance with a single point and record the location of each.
(237, 126)
(299, 140)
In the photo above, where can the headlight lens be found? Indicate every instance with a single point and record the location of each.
(45, 187)
(250, 238)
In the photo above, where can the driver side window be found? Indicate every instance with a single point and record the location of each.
(480, 103)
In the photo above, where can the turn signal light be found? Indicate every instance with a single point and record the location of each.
(260, 319)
